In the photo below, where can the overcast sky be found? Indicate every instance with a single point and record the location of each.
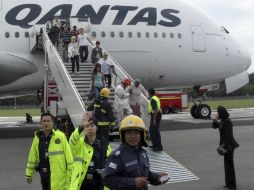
(236, 15)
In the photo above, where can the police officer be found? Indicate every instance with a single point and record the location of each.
(128, 166)
(103, 115)
(155, 115)
(90, 156)
(51, 156)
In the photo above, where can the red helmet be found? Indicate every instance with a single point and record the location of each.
(126, 82)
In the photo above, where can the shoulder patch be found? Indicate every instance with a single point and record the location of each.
(57, 141)
(112, 165)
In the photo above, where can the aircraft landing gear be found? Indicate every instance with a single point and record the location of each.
(201, 111)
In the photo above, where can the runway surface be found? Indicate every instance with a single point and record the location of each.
(188, 144)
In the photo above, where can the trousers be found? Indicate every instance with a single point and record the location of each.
(230, 179)
(154, 132)
(45, 180)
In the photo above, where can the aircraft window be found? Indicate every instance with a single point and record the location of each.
(103, 34)
(147, 34)
(121, 34)
(171, 35)
(112, 34)
(155, 34)
(94, 34)
(223, 29)
(26, 34)
(164, 35)
(17, 34)
(7, 34)
(139, 34)
(130, 34)
(179, 35)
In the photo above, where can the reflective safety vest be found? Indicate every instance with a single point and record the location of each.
(60, 160)
(82, 154)
(158, 103)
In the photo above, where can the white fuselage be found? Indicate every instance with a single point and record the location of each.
(165, 43)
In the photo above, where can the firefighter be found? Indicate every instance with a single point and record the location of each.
(51, 156)
(128, 168)
(90, 156)
(122, 105)
(103, 115)
(154, 109)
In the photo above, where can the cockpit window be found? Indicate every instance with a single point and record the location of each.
(223, 29)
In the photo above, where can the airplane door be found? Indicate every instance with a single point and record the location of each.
(198, 38)
(136, 62)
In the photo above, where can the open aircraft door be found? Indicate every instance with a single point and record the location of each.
(198, 38)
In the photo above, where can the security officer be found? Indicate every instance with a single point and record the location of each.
(90, 156)
(128, 166)
(51, 156)
(103, 115)
(155, 114)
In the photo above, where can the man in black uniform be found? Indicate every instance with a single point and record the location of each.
(103, 115)
(128, 167)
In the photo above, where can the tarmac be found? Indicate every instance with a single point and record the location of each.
(190, 142)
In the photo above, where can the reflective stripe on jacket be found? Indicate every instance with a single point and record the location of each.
(82, 154)
(158, 103)
(60, 160)
(103, 113)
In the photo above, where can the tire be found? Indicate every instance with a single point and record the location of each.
(204, 111)
(194, 110)
(175, 109)
(165, 110)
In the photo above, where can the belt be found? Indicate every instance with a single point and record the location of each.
(43, 170)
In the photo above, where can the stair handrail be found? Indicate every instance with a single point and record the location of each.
(58, 63)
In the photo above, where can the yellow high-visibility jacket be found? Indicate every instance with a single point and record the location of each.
(60, 160)
(82, 154)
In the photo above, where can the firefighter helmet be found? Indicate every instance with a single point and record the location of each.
(105, 92)
(133, 122)
(126, 82)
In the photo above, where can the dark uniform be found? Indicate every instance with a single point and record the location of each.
(229, 143)
(154, 131)
(124, 165)
(104, 116)
(43, 166)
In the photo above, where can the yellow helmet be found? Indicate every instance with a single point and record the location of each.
(133, 122)
(105, 92)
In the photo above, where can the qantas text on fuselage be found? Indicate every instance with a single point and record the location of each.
(147, 15)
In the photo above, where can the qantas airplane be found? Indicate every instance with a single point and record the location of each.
(165, 43)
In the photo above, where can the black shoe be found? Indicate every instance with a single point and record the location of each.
(229, 187)
(150, 147)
